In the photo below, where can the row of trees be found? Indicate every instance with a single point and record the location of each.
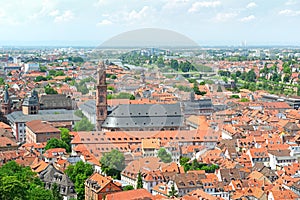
(182, 66)
(195, 165)
(249, 76)
(121, 95)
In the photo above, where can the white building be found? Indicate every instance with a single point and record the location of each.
(31, 67)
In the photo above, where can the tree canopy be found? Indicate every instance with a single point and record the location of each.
(78, 173)
(164, 155)
(128, 187)
(195, 165)
(17, 182)
(84, 125)
(57, 143)
(173, 192)
(49, 90)
(139, 181)
(112, 163)
(65, 136)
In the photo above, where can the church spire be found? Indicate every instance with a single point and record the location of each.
(6, 95)
(6, 106)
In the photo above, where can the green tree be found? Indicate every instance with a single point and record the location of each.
(184, 160)
(39, 193)
(76, 59)
(59, 73)
(234, 96)
(66, 137)
(113, 163)
(173, 192)
(68, 79)
(56, 143)
(139, 182)
(43, 68)
(286, 78)
(113, 76)
(17, 182)
(128, 187)
(40, 78)
(49, 90)
(51, 72)
(252, 87)
(111, 88)
(132, 97)
(78, 173)
(164, 155)
(79, 113)
(174, 64)
(224, 73)
(11, 188)
(55, 192)
(84, 125)
(160, 61)
(251, 76)
(219, 89)
(244, 100)
(2, 81)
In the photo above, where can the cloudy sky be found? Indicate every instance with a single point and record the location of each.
(208, 22)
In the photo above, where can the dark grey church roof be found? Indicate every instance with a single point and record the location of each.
(56, 115)
(193, 106)
(55, 101)
(144, 115)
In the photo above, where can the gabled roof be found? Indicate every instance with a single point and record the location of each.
(98, 182)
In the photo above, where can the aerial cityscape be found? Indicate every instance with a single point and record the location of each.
(149, 100)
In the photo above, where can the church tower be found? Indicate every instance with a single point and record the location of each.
(6, 104)
(101, 94)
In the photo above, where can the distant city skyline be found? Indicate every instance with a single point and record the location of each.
(92, 22)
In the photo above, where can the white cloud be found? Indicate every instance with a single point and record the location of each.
(145, 15)
(54, 13)
(138, 15)
(221, 17)
(46, 7)
(204, 4)
(104, 22)
(288, 12)
(251, 5)
(2, 13)
(291, 2)
(248, 18)
(173, 4)
(66, 16)
(100, 3)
